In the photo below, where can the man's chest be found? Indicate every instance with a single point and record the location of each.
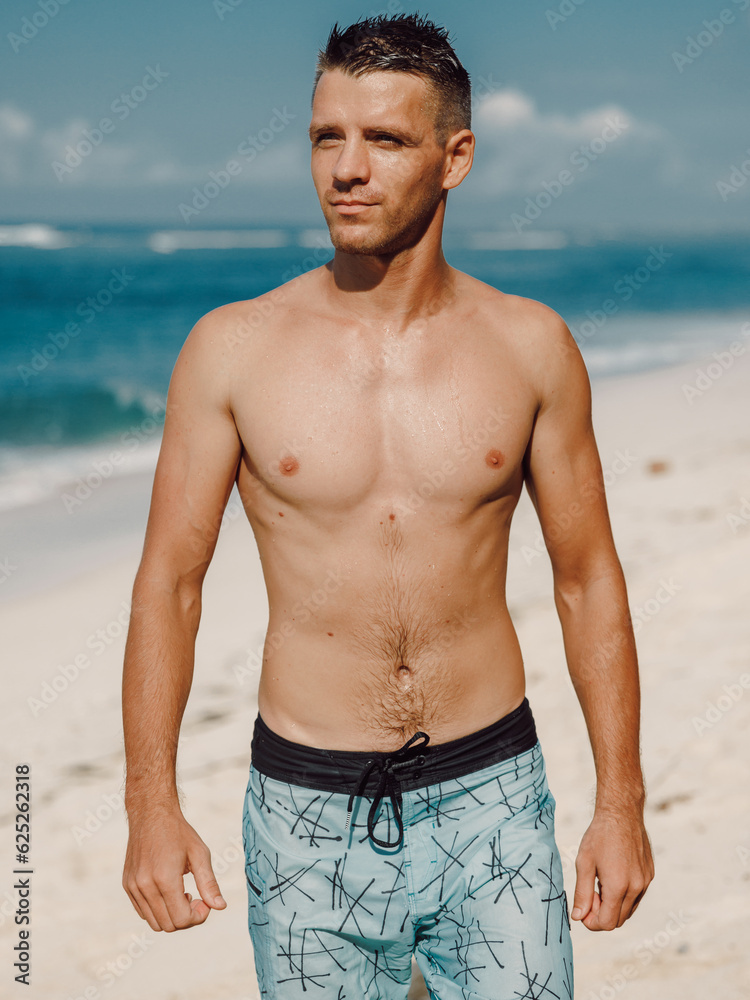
(330, 426)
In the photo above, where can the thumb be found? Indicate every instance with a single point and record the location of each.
(584, 891)
(206, 883)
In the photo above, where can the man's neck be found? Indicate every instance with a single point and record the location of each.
(391, 290)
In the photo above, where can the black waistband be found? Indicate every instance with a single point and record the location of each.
(377, 773)
(419, 766)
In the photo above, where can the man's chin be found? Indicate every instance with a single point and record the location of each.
(365, 244)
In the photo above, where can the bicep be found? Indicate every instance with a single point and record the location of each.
(197, 463)
(563, 468)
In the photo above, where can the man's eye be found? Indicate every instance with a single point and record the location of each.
(325, 136)
(384, 137)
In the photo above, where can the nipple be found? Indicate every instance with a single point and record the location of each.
(288, 465)
(494, 458)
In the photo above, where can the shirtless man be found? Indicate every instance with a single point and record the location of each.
(380, 416)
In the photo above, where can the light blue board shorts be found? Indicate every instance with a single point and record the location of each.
(463, 872)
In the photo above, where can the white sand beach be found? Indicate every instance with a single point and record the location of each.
(678, 475)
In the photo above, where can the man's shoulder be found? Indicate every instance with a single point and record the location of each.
(515, 313)
(527, 324)
(250, 321)
(534, 336)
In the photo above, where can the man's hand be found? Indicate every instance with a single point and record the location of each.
(162, 848)
(616, 849)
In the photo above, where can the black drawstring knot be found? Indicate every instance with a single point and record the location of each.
(389, 783)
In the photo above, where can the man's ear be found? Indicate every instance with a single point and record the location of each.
(459, 157)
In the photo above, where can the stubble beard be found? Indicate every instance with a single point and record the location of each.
(390, 238)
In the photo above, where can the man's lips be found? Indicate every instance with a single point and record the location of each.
(351, 207)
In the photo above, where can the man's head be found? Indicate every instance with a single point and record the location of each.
(390, 129)
(406, 43)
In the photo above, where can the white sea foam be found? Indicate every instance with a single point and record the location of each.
(532, 240)
(32, 475)
(169, 240)
(32, 234)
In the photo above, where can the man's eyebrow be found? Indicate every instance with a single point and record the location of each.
(407, 137)
(393, 130)
(316, 129)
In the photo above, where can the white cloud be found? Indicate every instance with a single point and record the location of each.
(14, 123)
(15, 129)
(519, 147)
(28, 153)
(283, 161)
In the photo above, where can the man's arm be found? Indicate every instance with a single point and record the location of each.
(565, 482)
(194, 475)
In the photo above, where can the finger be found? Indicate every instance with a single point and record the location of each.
(153, 894)
(143, 908)
(176, 903)
(199, 911)
(629, 905)
(205, 880)
(584, 891)
(590, 921)
(608, 917)
(134, 901)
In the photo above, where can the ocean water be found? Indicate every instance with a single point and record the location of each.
(92, 320)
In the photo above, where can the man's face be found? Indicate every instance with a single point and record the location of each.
(376, 163)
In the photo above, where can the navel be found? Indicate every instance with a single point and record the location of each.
(494, 458)
(288, 465)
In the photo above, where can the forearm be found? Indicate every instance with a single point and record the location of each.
(603, 666)
(157, 676)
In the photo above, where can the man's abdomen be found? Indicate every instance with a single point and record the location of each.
(370, 673)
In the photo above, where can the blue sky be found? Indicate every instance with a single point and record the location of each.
(185, 83)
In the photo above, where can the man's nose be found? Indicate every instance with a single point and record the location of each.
(352, 164)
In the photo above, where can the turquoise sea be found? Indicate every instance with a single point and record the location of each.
(92, 320)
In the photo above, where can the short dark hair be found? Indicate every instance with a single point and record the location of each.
(407, 43)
